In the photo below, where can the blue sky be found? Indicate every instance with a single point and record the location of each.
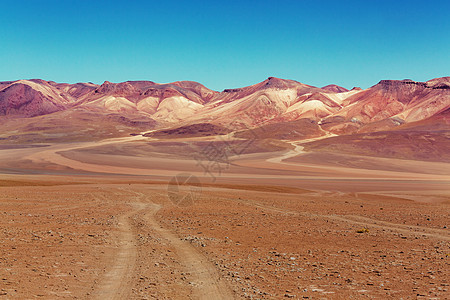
(225, 44)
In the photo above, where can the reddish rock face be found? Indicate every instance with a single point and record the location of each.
(386, 105)
(22, 100)
(334, 88)
(123, 89)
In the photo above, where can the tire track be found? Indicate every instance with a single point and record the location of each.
(207, 281)
(117, 281)
(359, 220)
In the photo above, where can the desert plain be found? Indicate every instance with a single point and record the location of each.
(279, 190)
(148, 218)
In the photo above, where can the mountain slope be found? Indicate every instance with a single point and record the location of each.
(386, 106)
(335, 88)
(28, 99)
(389, 103)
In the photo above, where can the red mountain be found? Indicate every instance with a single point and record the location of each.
(335, 88)
(147, 105)
(29, 98)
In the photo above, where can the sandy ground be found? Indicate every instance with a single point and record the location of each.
(263, 226)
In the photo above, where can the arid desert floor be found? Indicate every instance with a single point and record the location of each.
(116, 220)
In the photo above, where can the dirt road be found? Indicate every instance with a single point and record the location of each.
(117, 283)
(411, 230)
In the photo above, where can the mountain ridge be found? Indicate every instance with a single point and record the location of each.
(336, 110)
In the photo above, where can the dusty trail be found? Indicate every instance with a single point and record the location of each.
(117, 282)
(52, 155)
(298, 149)
(406, 229)
(359, 220)
(208, 284)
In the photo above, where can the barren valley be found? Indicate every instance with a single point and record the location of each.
(140, 190)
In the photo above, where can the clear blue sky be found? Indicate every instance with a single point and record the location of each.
(225, 44)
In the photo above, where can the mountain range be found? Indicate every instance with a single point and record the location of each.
(40, 111)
